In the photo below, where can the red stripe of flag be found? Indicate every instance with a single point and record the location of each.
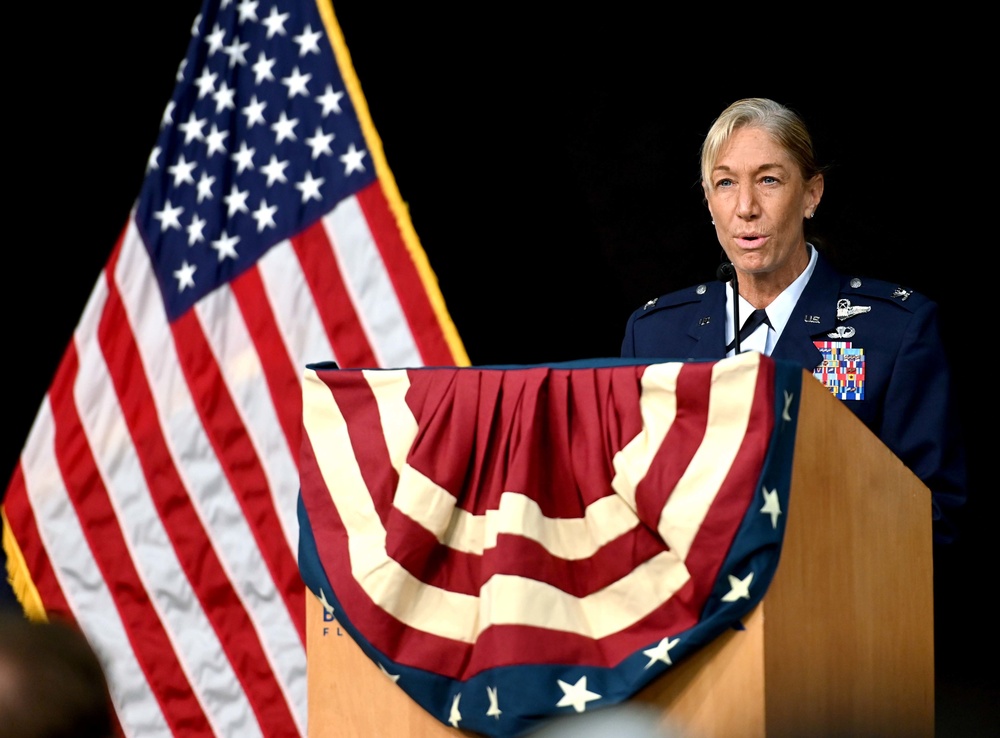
(192, 544)
(283, 377)
(332, 298)
(104, 537)
(238, 458)
(21, 518)
(412, 293)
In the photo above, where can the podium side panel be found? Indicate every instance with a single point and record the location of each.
(349, 697)
(719, 689)
(849, 633)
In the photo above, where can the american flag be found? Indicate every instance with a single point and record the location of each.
(154, 503)
(513, 544)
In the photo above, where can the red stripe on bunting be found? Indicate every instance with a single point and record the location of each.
(737, 491)
(686, 434)
(496, 646)
(369, 446)
(516, 407)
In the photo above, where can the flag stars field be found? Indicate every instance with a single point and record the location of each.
(275, 171)
(185, 276)
(169, 216)
(352, 160)
(297, 83)
(205, 182)
(284, 128)
(254, 112)
(263, 68)
(256, 89)
(308, 41)
(226, 246)
(244, 158)
(216, 141)
(264, 215)
(330, 101)
(224, 97)
(275, 23)
(195, 230)
(205, 83)
(320, 143)
(153, 162)
(247, 10)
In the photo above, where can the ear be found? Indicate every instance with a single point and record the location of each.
(814, 193)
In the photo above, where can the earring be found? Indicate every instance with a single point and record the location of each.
(713, 222)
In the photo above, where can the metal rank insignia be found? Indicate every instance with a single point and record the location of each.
(846, 310)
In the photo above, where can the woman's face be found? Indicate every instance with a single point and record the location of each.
(758, 198)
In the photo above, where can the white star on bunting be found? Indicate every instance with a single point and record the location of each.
(576, 695)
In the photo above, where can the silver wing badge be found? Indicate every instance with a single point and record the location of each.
(846, 310)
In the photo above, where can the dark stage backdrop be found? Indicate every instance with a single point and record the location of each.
(550, 164)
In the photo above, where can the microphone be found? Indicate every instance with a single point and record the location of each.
(727, 273)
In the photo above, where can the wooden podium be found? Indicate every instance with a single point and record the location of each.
(841, 645)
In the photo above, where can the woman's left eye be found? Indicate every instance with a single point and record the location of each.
(769, 180)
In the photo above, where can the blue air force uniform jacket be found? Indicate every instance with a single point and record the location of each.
(902, 391)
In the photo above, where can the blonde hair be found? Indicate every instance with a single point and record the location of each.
(783, 124)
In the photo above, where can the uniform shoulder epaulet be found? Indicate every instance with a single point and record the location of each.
(673, 299)
(881, 289)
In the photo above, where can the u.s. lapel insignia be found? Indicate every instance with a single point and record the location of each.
(705, 321)
(846, 310)
(812, 319)
(842, 332)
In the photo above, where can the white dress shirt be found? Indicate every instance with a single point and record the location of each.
(778, 312)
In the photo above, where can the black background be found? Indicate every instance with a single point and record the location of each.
(550, 165)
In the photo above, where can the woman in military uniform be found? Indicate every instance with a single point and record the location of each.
(875, 344)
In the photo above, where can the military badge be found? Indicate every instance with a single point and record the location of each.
(842, 370)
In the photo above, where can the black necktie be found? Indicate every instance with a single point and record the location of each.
(752, 323)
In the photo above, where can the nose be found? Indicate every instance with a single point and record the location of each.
(746, 207)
